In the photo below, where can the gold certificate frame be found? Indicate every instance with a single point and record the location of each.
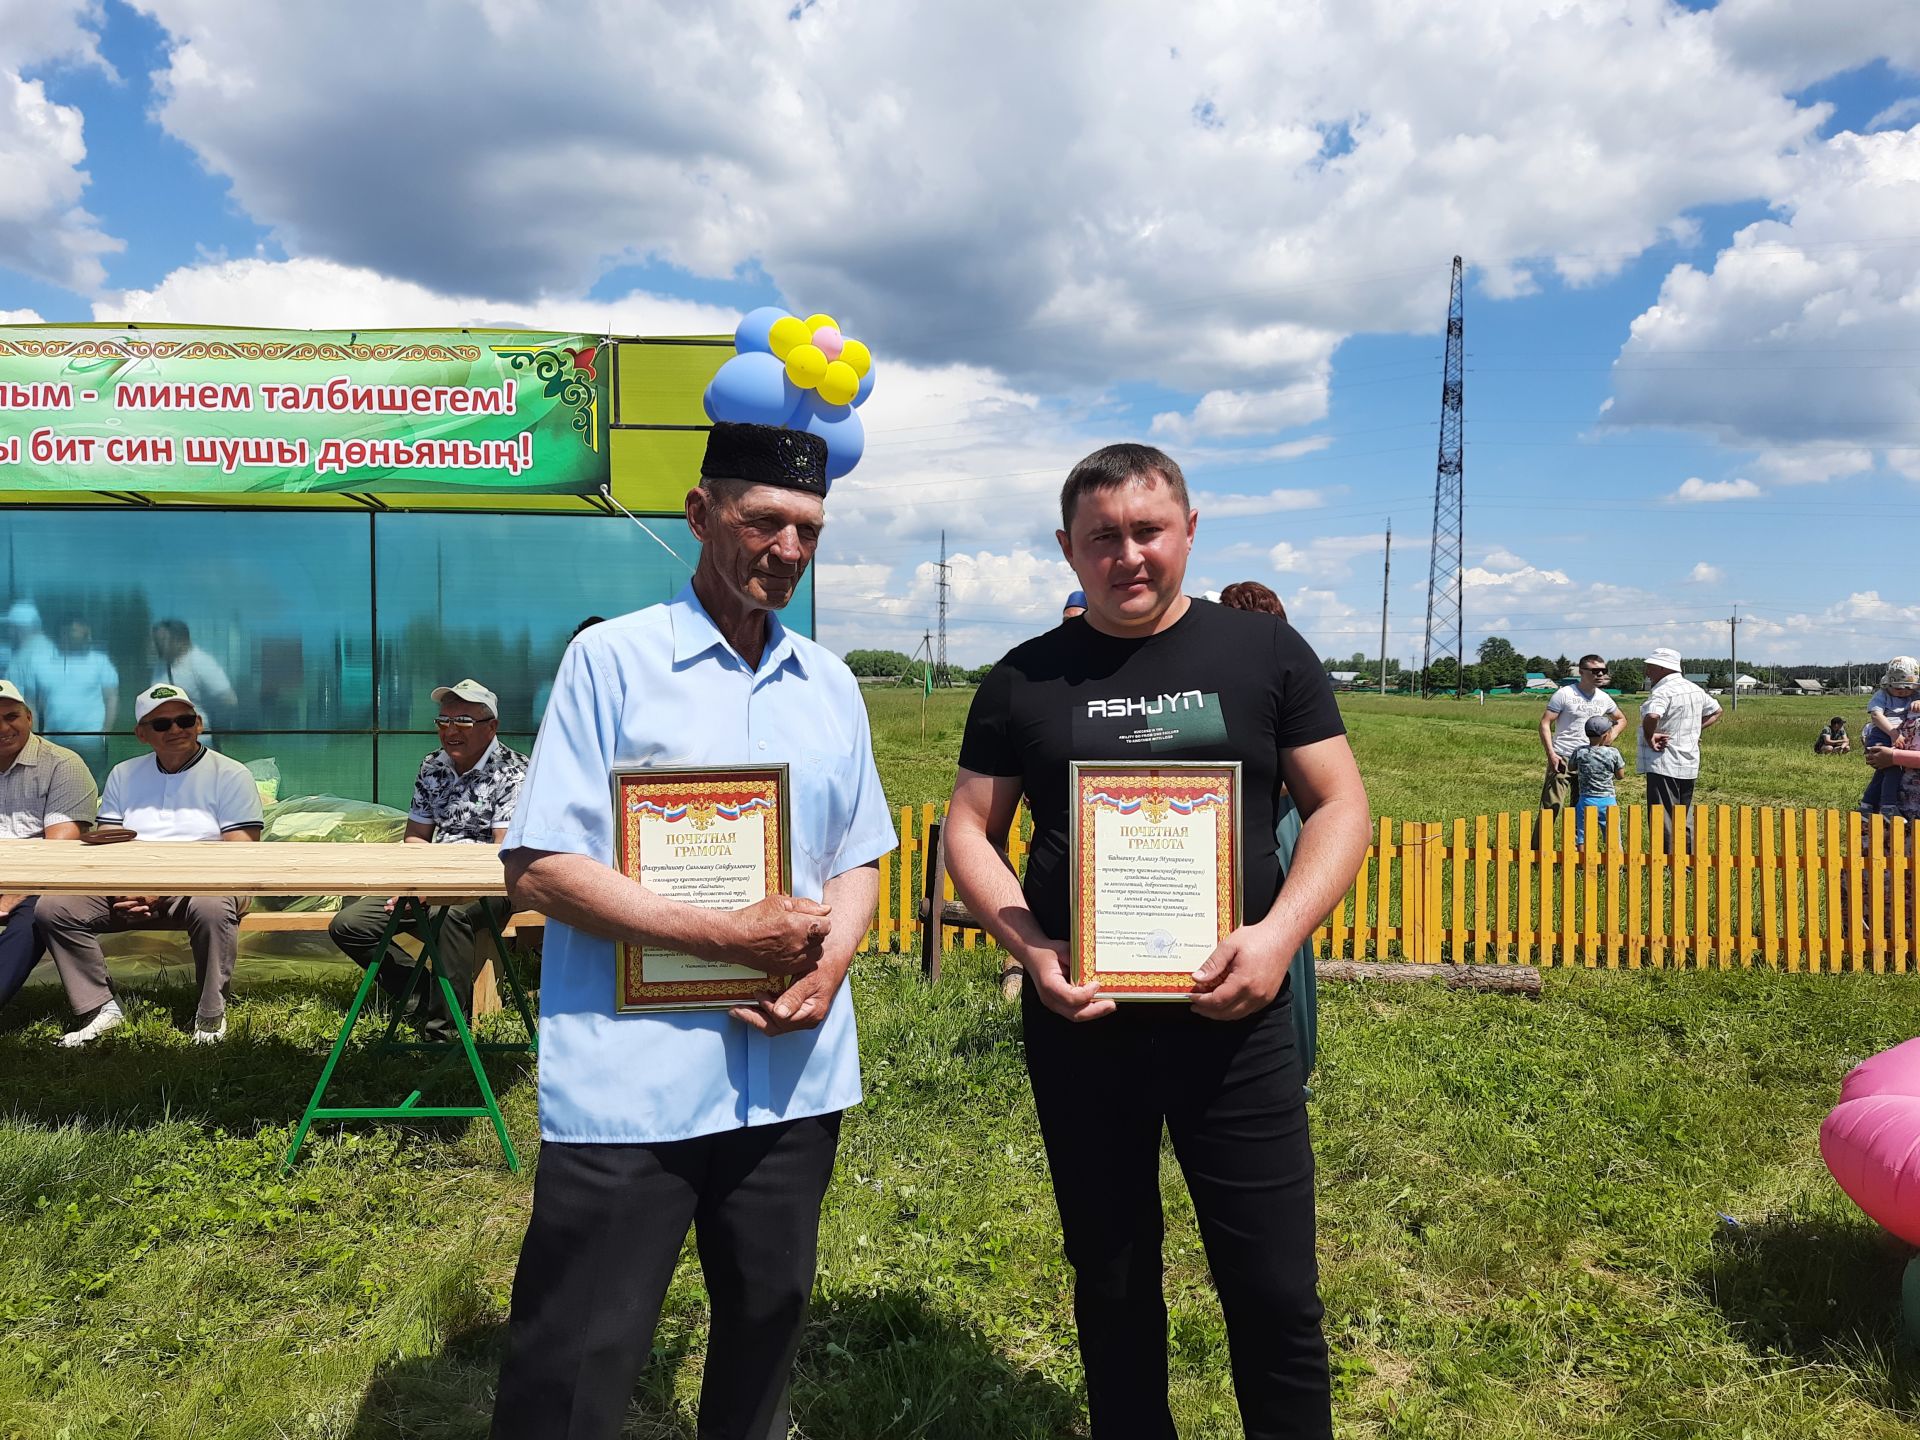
(713, 836)
(1154, 852)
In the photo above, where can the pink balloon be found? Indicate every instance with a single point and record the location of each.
(1871, 1141)
(830, 341)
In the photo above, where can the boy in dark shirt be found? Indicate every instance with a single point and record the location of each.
(1597, 768)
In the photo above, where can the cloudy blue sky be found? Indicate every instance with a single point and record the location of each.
(1692, 233)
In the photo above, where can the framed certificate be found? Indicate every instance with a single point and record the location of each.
(1154, 851)
(713, 836)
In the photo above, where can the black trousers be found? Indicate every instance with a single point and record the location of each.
(608, 1223)
(1231, 1096)
(20, 948)
(1668, 794)
(357, 929)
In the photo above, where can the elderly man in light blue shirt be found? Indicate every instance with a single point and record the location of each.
(723, 1120)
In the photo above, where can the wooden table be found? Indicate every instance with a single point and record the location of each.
(422, 874)
(152, 867)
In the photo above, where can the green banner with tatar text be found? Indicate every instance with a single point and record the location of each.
(408, 412)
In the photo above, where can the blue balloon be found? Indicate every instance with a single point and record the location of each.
(751, 333)
(752, 389)
(866, 387)
(846, 437)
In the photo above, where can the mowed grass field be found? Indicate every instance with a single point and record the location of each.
(1598, 1215)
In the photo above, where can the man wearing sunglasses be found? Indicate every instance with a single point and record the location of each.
(1563, 729)
(464, 795)
(182, 791)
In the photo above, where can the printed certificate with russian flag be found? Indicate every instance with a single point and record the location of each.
(712, 836)
(1155, 856)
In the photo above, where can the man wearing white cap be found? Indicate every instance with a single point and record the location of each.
(182, 791)
(464, 795)
(46, 793)
(1671, 718)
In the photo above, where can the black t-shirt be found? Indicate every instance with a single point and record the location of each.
(1217, 684)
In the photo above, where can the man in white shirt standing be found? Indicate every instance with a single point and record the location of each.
(79, 691)
(1563, 729)
(1671, 718)
(180, 662)
(182, 791)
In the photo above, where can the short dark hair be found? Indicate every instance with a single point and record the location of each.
(587, 624)
(1593, 660)
(1837, 720)
(1112, 466)
(175, 628)
(1252, 595)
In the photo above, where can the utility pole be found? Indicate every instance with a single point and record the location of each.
(941, 668)
(1733, 643)
(1386, 570)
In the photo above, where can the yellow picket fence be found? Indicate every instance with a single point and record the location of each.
(1817, 890)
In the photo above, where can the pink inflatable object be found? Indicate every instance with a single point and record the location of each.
(1871, 1140)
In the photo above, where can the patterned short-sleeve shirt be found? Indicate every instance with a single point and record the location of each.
(467, 809)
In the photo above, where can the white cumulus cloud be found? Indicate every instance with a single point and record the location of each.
(1794, 342)
(1694, 490)
(45, 232)
(1281, 176)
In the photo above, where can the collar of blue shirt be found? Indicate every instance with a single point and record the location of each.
(694, 634)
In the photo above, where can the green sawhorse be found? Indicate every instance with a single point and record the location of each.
(430, 917)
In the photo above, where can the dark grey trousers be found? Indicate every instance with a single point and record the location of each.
(70, 926)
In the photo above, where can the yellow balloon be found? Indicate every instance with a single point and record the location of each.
(839, 383)
(805, 365)
(786, 333)
(814, 322)
(857, 356)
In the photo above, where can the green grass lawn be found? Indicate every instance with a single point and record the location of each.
(1599, 1215)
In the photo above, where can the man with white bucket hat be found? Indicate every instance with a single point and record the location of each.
(1671, 718)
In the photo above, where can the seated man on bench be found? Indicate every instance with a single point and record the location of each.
(182, 791)
(46, 793)
(464, 795)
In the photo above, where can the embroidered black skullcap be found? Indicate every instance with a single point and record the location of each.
(766, 455)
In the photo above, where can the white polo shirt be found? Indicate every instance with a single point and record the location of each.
(208, 796)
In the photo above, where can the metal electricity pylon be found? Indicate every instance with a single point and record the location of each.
(1446, 621)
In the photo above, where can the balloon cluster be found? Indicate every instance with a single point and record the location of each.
(803, 374)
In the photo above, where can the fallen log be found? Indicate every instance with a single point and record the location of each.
(1490, 979)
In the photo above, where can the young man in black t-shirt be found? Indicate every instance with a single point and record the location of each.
(1150, 674)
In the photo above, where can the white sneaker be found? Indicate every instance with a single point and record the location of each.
(107, 1017)
(209, 1032)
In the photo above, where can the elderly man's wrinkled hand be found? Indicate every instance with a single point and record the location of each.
(781, 934)
(801, 1006)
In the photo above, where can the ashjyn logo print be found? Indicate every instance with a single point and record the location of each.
(1158, 723)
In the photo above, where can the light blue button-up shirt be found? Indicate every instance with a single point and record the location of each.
(662, 686)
